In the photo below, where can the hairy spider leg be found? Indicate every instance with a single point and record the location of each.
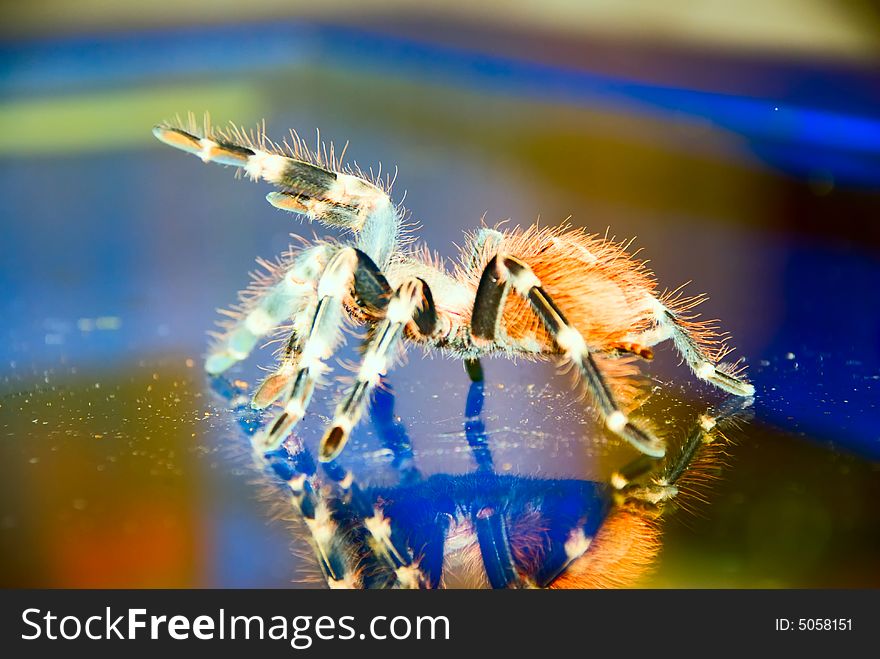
(330, 197)
(474, 369)
(669, 325)
(277, 382)
(266, 307)
(371, 292)
(696, 358)
(412, 302)
(319, 344)
(504, 273)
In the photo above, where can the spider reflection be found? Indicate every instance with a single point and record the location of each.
(484, 529)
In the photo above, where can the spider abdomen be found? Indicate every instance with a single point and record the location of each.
(607, 295)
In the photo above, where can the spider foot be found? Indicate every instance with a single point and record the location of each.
(642, 439)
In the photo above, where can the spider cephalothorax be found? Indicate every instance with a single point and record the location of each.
(543, 293)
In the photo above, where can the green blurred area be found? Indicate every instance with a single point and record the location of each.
(115, 119)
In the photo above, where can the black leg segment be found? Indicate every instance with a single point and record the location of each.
(488, 303)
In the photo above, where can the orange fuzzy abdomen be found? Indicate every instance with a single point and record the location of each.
(602, 291)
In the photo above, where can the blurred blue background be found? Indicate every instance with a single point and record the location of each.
(741, 147)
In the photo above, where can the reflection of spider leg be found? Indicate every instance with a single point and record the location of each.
(354, 543)
(505, 272)
(489, 522)
(664, 486)
(331, 541)
(429, 539)
(385, 538)
(347, 269)
(640, 490)
(386, 541)
(475, 427)
(392, 433)
(236, 394)
(268, 308)
(411, 303)
(378, 532)
(337, 555)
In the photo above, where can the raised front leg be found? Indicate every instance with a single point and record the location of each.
(308, 181)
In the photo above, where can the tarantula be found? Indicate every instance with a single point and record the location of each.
(484, 529)
(538, 292)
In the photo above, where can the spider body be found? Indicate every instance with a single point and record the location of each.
(539, 293)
